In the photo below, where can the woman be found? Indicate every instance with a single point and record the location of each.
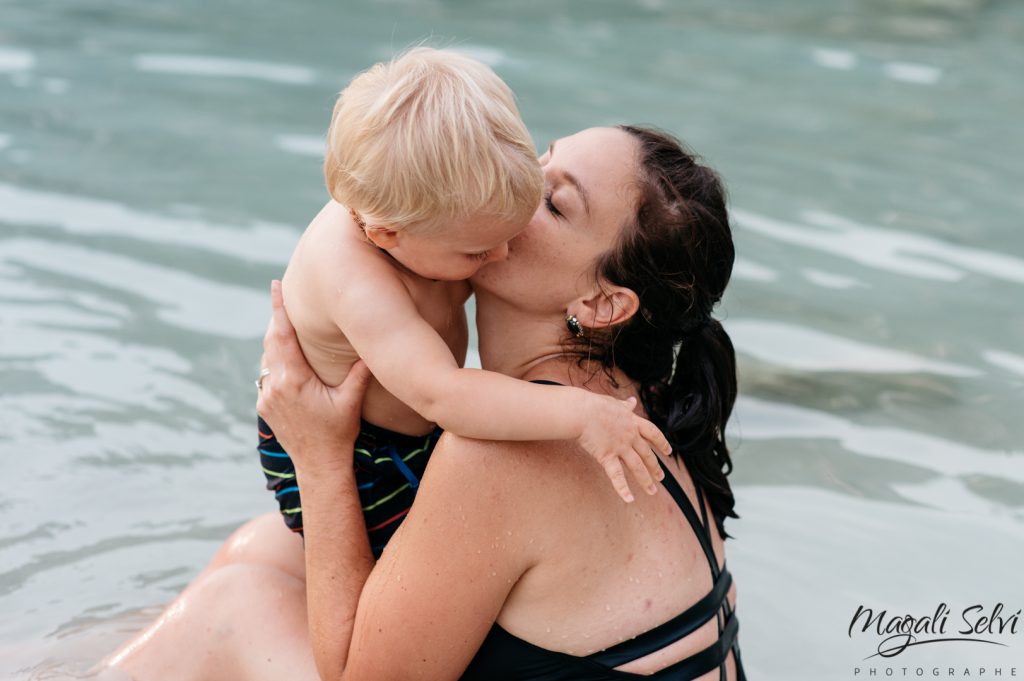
(517, 560)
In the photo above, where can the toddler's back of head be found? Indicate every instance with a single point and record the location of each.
(429, 138)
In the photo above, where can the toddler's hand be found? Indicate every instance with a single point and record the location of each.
(614, 435)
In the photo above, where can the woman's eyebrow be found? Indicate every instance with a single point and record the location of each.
(574, 181)
(571, 179)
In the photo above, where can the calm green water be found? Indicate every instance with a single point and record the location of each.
(158, 161)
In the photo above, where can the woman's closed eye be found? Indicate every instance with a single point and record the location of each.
(480, 256)
(551, 206)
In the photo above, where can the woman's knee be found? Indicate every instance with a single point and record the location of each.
(237, 592)
(264, 540)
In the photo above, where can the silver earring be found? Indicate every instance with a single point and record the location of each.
(573, 325)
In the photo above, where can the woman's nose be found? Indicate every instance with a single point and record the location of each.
(499, 253)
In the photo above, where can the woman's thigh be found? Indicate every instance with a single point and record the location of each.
(242, 621)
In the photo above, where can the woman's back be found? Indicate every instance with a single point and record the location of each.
(606, 572)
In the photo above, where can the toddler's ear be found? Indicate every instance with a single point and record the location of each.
(382, 237)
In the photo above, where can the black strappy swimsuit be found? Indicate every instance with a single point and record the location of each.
(504, 656)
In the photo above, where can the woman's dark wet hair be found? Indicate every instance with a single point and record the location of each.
(677, 256)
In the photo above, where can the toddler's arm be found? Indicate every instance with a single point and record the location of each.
(409, 358)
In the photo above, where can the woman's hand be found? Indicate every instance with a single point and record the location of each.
(315, 423)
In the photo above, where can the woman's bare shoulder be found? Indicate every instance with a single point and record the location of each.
(499, 462)
(527, 481)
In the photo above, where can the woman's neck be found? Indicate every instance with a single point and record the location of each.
(526, 346)
(512, 342)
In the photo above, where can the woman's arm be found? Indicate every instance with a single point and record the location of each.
(408, 357)
(444, 577)
(319, 425)
(434, 594)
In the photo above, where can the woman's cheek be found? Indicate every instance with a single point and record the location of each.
(534, 236)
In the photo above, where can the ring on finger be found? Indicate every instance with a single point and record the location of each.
(264, 372)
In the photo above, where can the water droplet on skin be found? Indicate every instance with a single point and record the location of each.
(548, 630)
(398, 578)
(608, 608)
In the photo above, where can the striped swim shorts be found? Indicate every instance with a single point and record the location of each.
(388, 469)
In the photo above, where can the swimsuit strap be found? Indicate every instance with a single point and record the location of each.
(671, 631)
(691, 516)
(701, 663)
(726, 609)
(700, 502)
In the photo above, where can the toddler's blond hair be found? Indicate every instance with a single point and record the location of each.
(431, 137)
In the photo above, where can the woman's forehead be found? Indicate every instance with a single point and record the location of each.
(603, 160)
(597, 146)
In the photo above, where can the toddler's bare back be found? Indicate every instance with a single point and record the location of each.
(334, 250)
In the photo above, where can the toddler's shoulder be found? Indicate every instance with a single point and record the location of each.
(334, 253)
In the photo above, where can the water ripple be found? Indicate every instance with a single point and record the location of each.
(920, 74)
(996, 265)
(13, 60)
(744, 268)
(182, 299)
(763, 420)
(841, 60)
(193, 65)
(303, 145)
(260, 242)
(774, 342)
(888, 249)
(831, 279)
(1005, 360)
(108, 370)
(53, 560)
